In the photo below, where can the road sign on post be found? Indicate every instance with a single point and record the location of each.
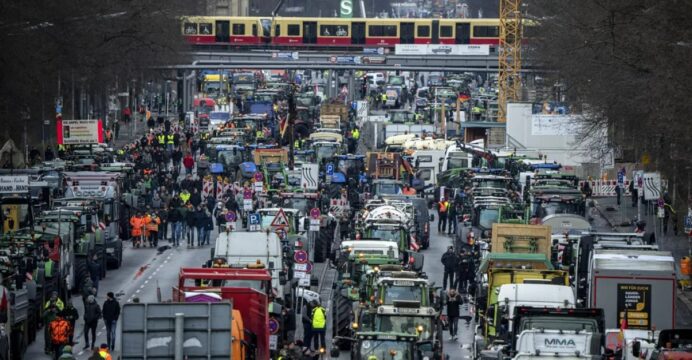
(315, 213)
(280, 220)
(310, 174)
(652, 186)
(254, 221)
(301, 257)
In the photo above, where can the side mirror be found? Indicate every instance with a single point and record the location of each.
(636, 348)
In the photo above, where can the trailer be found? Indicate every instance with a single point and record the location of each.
(634, 287)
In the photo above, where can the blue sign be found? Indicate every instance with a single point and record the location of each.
(285, 55)
(354, 105)
(330, 169)
(230, 216)
(688, 222)
(253, 219)
(373, 51)
(621, 178)
(345, 59)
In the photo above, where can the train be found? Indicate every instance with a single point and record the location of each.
(299, 32)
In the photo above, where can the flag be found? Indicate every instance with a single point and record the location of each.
(283, 125)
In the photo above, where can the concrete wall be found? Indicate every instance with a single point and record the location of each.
(553, 136)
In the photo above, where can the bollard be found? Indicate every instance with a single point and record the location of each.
(179, 335)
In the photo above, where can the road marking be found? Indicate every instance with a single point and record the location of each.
(146, 281)
(99, 333)
(81, 352)
(137, 291)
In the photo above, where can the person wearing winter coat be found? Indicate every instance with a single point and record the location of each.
(92, 314)
(111, 313)
(190, 220)
(200, 223)
(453, 304)
(195, 198)
(188, 163)
(450, 262)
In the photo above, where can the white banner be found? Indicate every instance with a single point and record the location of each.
(14, 184)
(410, 49)
(481, 50)
(75, 132)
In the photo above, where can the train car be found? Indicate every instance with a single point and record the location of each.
(335, 32)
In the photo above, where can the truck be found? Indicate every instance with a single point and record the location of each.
(239, 248)
(246, 286)
(634, 287)
(542, 344)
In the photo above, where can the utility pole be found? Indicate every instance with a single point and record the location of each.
(291, 122)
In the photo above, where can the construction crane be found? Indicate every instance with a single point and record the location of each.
(509, 78)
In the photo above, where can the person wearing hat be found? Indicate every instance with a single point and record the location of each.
(50, 310)
(66, 353)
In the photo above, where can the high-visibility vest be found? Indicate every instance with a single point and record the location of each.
(443, 205)
(170, 139)
(259, 134)
(319, 320)
(355, 134)
(104, 354)
(59, 304)
(162, 139)
(296, 144)
(59, 331)
(48, 268)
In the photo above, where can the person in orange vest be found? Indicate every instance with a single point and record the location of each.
(59, 334)
(153, 222)
(408, 190)
(103, 351)
(442, 207)
(137, 223)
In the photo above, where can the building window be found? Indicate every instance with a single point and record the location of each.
(445, 31)
(382, 30)
(333, 30)
(293, 30)
(205, 28)
(486, 31)
(190, 28)
(238, 29)
(423, 31)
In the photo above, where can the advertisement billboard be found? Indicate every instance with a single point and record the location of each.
(79, 132)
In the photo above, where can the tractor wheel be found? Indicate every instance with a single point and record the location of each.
(341, 315)
(322, 245)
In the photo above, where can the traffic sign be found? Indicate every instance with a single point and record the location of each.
(621, 178)
(258, 176)
(230, 216)
(314, 224)
(330, 169)
(300, 256)
(307, 267)
(280, 220)
(273, 325)
(253, 219)
(247, 194)
(315, 213)
(247, 204)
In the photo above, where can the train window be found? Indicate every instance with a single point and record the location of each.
(266, 27)
(190, 28)
(445, 31)
(423, 31)
(205, 28)
(486, 31)
(382, 30)
(333, 30)
(238, 29)
(293, 30)
(277, 30)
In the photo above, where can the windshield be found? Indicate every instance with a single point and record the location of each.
(224, 116)
(550, 208)
(246, 123)
(405, 324)
(212, 88)
(495, 184)
(401, 116)
(229, 157)
(395, 80)
(385, 350)
(300, 204)
(559, 323)
(458, 162)
(402, 293)
(244, 79)
(305, 101)
(487, 218)
(387, 189)
(423, 93)
(326, 151)
(386, 234)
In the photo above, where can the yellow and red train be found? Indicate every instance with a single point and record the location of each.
(298, 32)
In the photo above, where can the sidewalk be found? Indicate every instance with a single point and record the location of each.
(619, 218)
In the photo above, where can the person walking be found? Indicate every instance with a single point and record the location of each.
(92, 314)
(319, 326)
(94, 266)
(51, 309)
(307, 323)
(464, 271)
(188, 163)
(71, 314)
(175, 220)
(442, 207)
(207, 227)
(450, 262)
(190, 221)
(453, 304)
(618, 192)
(634, 193)
(111, 313)
(59, 329)
(452, 219)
